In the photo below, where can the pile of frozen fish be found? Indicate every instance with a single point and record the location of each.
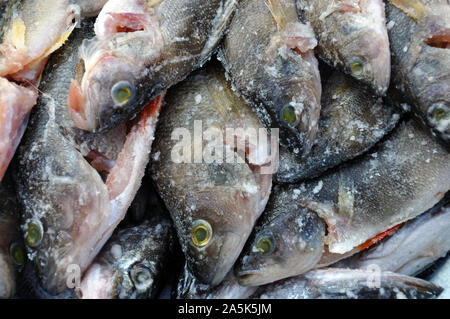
(224, 148)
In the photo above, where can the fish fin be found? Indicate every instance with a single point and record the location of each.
(280, 13)
(341, 6)
(152, 3)
(59, 43)
(413, 8)
(15, 35)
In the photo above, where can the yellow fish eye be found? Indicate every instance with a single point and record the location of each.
(289, 115)
(122, 92)
(34, 233)
(357, 68)
(17, 253)
(440, 114)
(265, 245)
(201, 233)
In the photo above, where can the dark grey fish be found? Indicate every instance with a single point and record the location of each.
(12, 252)
(411, 249)
(190, 288)
(287, 240)
(132, 264)
(352, 121)
(74, 187)
(335, 283)
(269, 55)
(142, 48)
(406, 175)
(214, 202)
(352, 36)
(419, 33)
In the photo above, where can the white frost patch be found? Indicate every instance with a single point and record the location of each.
(318, 188)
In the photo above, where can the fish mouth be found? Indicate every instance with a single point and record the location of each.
(248, 277)
(226, 257)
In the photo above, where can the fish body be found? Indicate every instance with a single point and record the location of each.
(441, 277)
(358, 202)
(419, 37)
(32, 30)
(74, 187)
(217, 198)
(12, 253)
(140, 49)
(132, 263)
(269, 56)
(352, 36)
(411, 249)
(349, 284)
(352, 121)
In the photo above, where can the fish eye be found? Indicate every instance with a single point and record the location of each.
(289, 115)
(357, 67)
(34, 233)
(17, 253)
(440, 113)
(265, 244)
(122, 92)
(141, 276)
(201, 233)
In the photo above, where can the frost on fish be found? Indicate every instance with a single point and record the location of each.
(219, 196)
(352, 121)
(15, 105)
(352, 36)
(141, 48)
(75, 189)
(288, 240)
(12, 255)
(269, 57)
(411, 249)
(406, 175)
(33, 30)
(336, 283)
(132, 263)
(421, 60)
(190, 288)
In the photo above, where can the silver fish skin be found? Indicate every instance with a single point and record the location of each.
(287, 240)
(419, 36)
(12, 252)
(411, 249)
(189, 288)
(269, 57)
(220, 197)
(131, 264)
(70, 205)
(142, 48)
(357, 202)
(385, 188)
(352, 36)
(352, 121)
(333, 283)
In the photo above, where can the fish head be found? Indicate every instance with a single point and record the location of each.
(365, 51)
(107, 88)
(216, 232)
(288, 245)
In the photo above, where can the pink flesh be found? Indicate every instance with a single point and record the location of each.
(15, 104)
(96, 283)
(120, 16)
(299, 36)
(122, 183)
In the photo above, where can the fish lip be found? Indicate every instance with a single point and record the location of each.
(246, 277)
(221, 269)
